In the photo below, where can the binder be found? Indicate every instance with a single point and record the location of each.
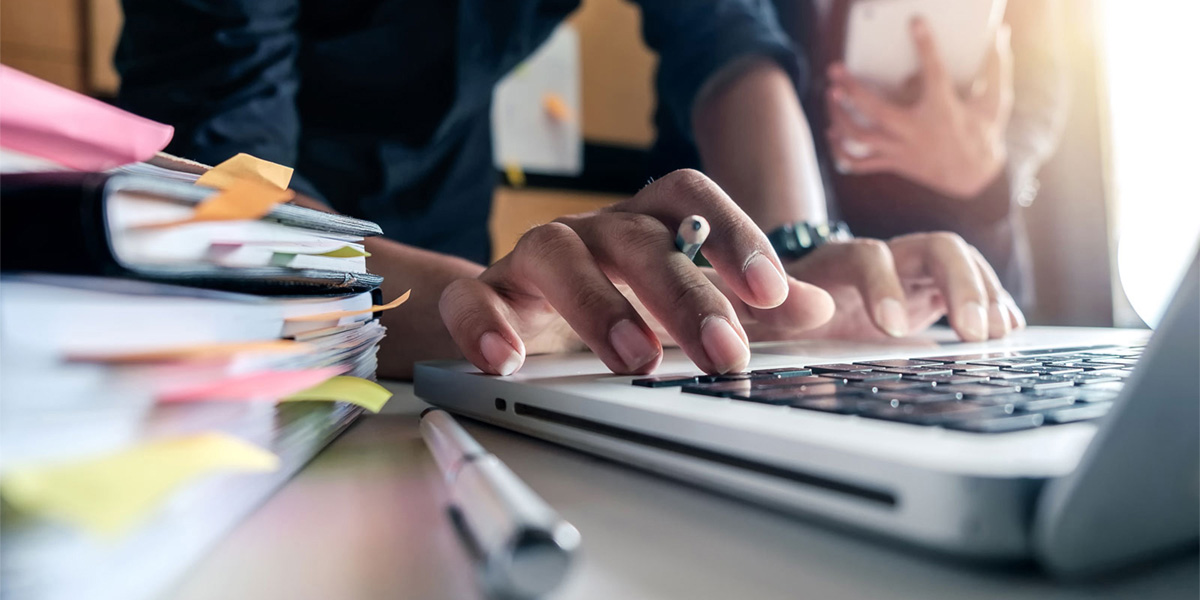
(60, 223)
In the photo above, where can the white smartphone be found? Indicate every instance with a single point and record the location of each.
(879, 46)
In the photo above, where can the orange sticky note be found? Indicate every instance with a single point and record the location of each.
(340, 314)
(262, 385)
(243, 200)
(556, 107)
(193, 352)
(246, 167)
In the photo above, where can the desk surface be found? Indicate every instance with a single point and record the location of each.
(365, 520)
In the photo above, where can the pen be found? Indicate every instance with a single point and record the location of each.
(524, 548)
(692, 233)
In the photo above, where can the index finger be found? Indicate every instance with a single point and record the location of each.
(947, 259)
(736, 247)
(933, 71)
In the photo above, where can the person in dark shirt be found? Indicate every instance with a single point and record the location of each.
(383, 107)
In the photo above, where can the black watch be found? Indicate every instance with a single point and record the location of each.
(796, 240)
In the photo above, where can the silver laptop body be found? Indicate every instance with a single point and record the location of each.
(1077, 497)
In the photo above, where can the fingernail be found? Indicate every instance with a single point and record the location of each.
(724, 346)
(890, 316)
(765, 281)
(972, 322)
(631, 344)
(842, 166)
(503, 358)
(997, 320)
(855, 148)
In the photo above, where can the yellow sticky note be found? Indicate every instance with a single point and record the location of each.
(246, 167)
(192, 352)
(109, 494)
(515, 174)
(343, 388)
(340, 314)
(345, 252)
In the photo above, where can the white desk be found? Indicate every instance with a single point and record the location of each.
(365, 520)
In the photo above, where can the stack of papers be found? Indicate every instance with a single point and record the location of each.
(175, 340)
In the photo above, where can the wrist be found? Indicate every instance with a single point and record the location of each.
(793, 241)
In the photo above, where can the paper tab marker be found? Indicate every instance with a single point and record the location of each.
(244, 167)
(367, 394)
(341, 314)
(242, 201)
(345, 252)
(195, 352)
(110, 494)
(556, 107)
(514, 174)
(261, 385)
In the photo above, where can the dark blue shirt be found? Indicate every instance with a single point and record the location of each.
(383, 106)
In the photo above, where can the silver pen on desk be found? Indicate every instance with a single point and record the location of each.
(523, 546)
(691, 235)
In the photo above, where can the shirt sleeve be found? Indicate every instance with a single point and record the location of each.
(695, 39)
(222, 72)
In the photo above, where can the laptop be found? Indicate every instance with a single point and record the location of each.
(1078, 448)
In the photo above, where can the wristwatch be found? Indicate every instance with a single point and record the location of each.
(796, 240)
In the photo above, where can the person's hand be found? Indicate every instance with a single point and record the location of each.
(567, 272)
(950, 144)
(907, 284)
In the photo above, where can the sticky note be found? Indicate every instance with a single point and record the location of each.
(243, 200)
(556, 107)
(514, 174)
(367, 394)
(345, 252)
(246, 167)
(109, 494)
(193, 352)
(341, 314)
(260, 385)
(41, 119)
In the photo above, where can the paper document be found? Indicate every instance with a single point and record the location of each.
(360, 392)
(243, 167)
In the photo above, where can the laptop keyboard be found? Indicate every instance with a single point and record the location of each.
(992, 392)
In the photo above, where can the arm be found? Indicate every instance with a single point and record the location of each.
(222, 72)
(1040, 91)
(728, 79)
(754, 141)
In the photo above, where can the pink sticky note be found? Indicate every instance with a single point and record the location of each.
(47, 121)
(262, 385)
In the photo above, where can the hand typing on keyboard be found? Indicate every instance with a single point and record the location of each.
(559, 287)
(905, 285)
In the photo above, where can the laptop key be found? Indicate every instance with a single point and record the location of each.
(1044, 370)
(970, 368)
(1005, 376)
(1026, 403)
(998, 425)
(789, 394)
(875, 387)
(931, 413)
(949, 379)
(943, 370)
(841, 404)
(666, 381)
(837, 368)
(846, 377)
(1045, 382)
(898, 363)
(966, 358)
(720, 389)
(1094, 377)
(1007, 362)
(782, 372)
(1075, 414)
(897, 398)
(1090, 395)
(980, 389)
(790, 382)
(1086, 365)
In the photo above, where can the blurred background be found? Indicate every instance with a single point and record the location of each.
(1114, 221)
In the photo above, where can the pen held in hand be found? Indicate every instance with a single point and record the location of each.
(691, 235)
